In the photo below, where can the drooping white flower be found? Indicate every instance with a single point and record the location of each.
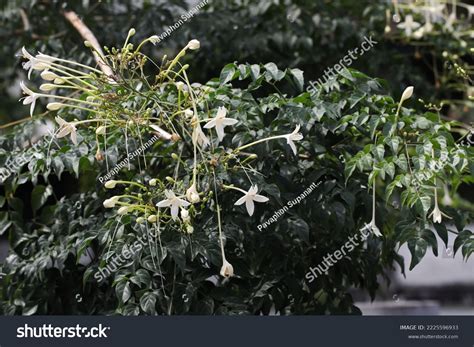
(174, 202)
(372, 226)
(66, 128)
(30, 99)
(437, 214)
(249, 199)
(39, 62)
(227, 270)
(192, 194)
(194, 44)
(220, 122)
(294, 136)
(409, 25)
(198, 135)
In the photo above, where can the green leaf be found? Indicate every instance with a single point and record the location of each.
(39, 196)
(148, 302)
(298, 78)
(227, 74)
(417, 249)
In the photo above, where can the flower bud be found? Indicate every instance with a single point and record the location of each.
(110, 184)
(48, 75)
(188, 113)
(185, 215)
(407, 93)
(54, 106)
(46, 87)
(123, 210)
(140, 220)
(100, 130)
(189, 229)
(152, 218)
(109, 203)
(131, 32)
(174, 156)
(58, 80)
(192, 194)
(154, 39)
(194, 44)
(152, 182)
(179, 85)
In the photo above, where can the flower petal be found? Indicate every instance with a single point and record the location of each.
(241, 200)
(250, 206)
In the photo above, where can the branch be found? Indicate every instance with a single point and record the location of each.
(87, 35)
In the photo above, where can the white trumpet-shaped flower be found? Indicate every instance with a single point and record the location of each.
(227, 270)
(174, 202)
(372, 226)
(249, 199)
(409, 25)
(66, 128)
(294, 136)
(220, 122)
(30, 98)
(38, 62)
(198, 135)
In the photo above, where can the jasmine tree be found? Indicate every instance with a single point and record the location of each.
(250, 137)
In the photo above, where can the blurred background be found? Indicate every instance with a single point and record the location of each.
(311, 35)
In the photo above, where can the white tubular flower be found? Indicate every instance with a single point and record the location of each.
(227, 270)
(30, 99)
(192, 194)
(66, 128)
(372, 226)
(54, 106)
(193, 44)
(199, 137)
(174, 202)
(154, 39)
(436, 214)
(249, 199)
(48, 75)
(294, 136)
(220, 122)
(110, 184)
(409, 25)
(407, 93)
